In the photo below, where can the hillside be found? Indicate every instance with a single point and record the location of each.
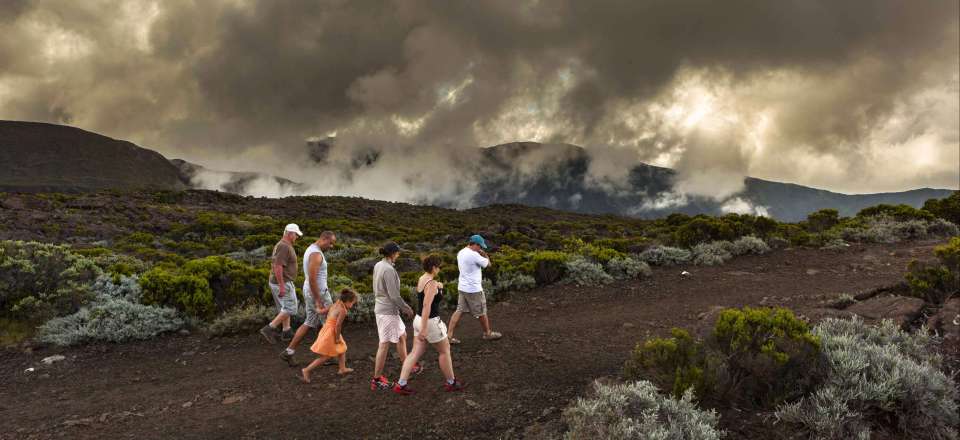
(38, 157)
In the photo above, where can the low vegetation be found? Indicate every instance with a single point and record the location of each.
(205, 254)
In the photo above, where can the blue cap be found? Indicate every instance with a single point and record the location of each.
(478, 240)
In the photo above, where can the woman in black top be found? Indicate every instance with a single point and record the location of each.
(430, 329)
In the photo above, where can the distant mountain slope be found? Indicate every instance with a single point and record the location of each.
(47, 157)
(560, 181)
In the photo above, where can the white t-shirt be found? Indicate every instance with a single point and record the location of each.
(471, 275)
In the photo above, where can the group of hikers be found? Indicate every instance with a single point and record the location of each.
(327, 316)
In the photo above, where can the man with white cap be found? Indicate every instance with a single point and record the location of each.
(283, 272)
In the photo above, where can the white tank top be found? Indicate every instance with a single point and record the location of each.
(321, 274)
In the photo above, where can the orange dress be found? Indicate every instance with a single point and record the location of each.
(326, 344)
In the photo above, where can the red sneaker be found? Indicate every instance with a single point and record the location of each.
(380, 383)
(455, 386)
(403, 390)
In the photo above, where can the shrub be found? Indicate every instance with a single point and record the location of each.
(703, 229)
(637, 411)
(39, 281)
(935, 282)
(583, 272)
(823, 219)
(362, 311)
(880, 379)
(753, 357)
(189, 293)
(843, 301)
(120, 287)
(947, 208)
(363, 266)
(712, 254)
(514, 282)
(231, 282)
(110, 319)
(246, 319)
(749, 245)
(836, 244)
(885, 229)
(547, 267)
(898, 212)
(628, 268)
(665, 256)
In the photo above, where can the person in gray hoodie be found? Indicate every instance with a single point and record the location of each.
(387, 309)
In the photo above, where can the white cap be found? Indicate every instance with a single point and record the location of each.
(292, 227)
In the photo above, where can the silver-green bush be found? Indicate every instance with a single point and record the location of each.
(628, 268)
(636, 411)
(712, 254)
(123, 287)
(583, 272)
(665, 256)
(241, 320)
(835, 244)
(885, 229)
(110, 319)
(879, 379)
(749, 245)
(515, 282)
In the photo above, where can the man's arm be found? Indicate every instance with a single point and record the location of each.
(278, 274)
(313, 267)
(483, 260)
(392, 282)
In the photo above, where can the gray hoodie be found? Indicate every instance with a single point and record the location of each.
(386, 288)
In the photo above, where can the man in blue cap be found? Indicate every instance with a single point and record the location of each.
(471, 260)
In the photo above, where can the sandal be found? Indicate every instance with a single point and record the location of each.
(493, 336)
(454, 341)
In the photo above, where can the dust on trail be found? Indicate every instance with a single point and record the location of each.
(557, 339)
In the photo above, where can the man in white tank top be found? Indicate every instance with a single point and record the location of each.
(316, 293)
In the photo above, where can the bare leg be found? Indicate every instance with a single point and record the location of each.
(454, 320)
(342, 360)
(446, 361)
(316, 363)
(485, 323)
(298, 336)
(402, 348)
(286, 322)
(279, 320)
(418, 349)
(381, 359)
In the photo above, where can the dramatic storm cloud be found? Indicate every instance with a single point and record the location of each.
(856, 96)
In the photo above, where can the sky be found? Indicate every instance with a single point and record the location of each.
(852, 96)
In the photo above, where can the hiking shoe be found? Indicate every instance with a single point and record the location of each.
(269, 333)
(380, 383)
(417, 369)
(287, 335)
(455, 386)
(403, 390)
(493, 336)
(288, 358)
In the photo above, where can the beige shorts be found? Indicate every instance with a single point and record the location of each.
(472, 303)
(390, 328)
(436, 329)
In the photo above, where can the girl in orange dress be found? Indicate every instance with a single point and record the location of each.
(330, 342)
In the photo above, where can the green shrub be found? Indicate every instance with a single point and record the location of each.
(749, 245)
(947, 208)
(39, 281)
(547, 267)
(897, 212)
(636, 411)
(822, 220)
(936, 282)
(703, 229)
(109, 319)
(189, 293)
(879, 380)
(583, 272)
(514, 282)
(886, 229)
(231, 282)
(753, 357)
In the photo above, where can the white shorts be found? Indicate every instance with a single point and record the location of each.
(436, 329)
(390, 328)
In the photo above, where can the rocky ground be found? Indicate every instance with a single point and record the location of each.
(556, 341)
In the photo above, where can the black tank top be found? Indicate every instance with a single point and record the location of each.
(435, 305)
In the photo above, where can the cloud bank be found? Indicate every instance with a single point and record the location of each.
(852, 96)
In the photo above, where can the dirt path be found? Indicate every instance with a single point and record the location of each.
(556, 341)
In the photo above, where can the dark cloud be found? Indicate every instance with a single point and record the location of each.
(835, 82)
